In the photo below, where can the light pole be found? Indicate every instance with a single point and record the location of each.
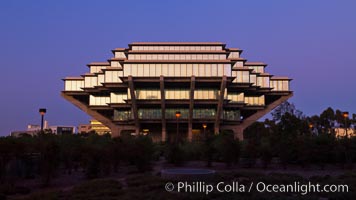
(177, 117)
(311, 127)
(345, 115)
(204, 126)
(42, 113)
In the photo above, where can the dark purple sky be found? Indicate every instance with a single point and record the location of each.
(314, 42)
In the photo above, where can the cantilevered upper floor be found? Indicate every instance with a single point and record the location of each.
(148, 77)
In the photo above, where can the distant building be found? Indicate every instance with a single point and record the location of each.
(34, 129)
(94, 125)
(341, 132)
(60, 130)
(22, 133)
(84, 128)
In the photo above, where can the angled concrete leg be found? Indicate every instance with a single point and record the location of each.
(190, 133)
(115, 131)
(164, 135)
(239, 133)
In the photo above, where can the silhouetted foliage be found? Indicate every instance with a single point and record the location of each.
(227, 148)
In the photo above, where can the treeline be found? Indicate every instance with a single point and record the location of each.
(287, 139)
(45, 155)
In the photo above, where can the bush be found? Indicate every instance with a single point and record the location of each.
(227, 148)
(175, 154)
(140, 151)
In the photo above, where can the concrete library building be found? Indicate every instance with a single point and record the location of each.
(176, 89)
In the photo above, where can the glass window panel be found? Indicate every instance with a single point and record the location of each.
(214, 70)
(165, 69)
(170, 69)
(266, 81)
(245, 76)
(188, 57)
(259, 81)
(201, 70)
(205, 56)
(199, 57)
(286, 85)
(134, 70)
(101, 78)
(177, 70)
(195, 69)
(108, 76)
(152, 70)
(127, 69)
(183, 69)
(194, 56)
(189, 69)
(140, 69)
(220, 69)
(253, 79)
(208, 70)
(227, 69)
(158, 69)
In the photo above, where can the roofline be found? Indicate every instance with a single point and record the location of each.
(255, 64)
(73, 78)
(98, 64)
(280, 78)
(178, 43)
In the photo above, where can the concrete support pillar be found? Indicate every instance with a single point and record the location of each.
(164, 135)
(239, 132)
(191, 107)
(163, 108)
(219, 109)
(134, 105)
(190, 132)
(216, 129)
(115, 131)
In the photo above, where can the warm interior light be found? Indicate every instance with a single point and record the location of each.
(178, 114)
(204, 126)
(42, 111)
(310, 125)
(345, 114)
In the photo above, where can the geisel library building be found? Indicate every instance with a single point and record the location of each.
(142, 87)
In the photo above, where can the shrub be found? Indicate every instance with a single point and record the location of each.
(227, 148)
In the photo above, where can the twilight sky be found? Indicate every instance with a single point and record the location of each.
(313, 42)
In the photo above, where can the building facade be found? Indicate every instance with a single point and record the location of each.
(94, 126)
(141, 88)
